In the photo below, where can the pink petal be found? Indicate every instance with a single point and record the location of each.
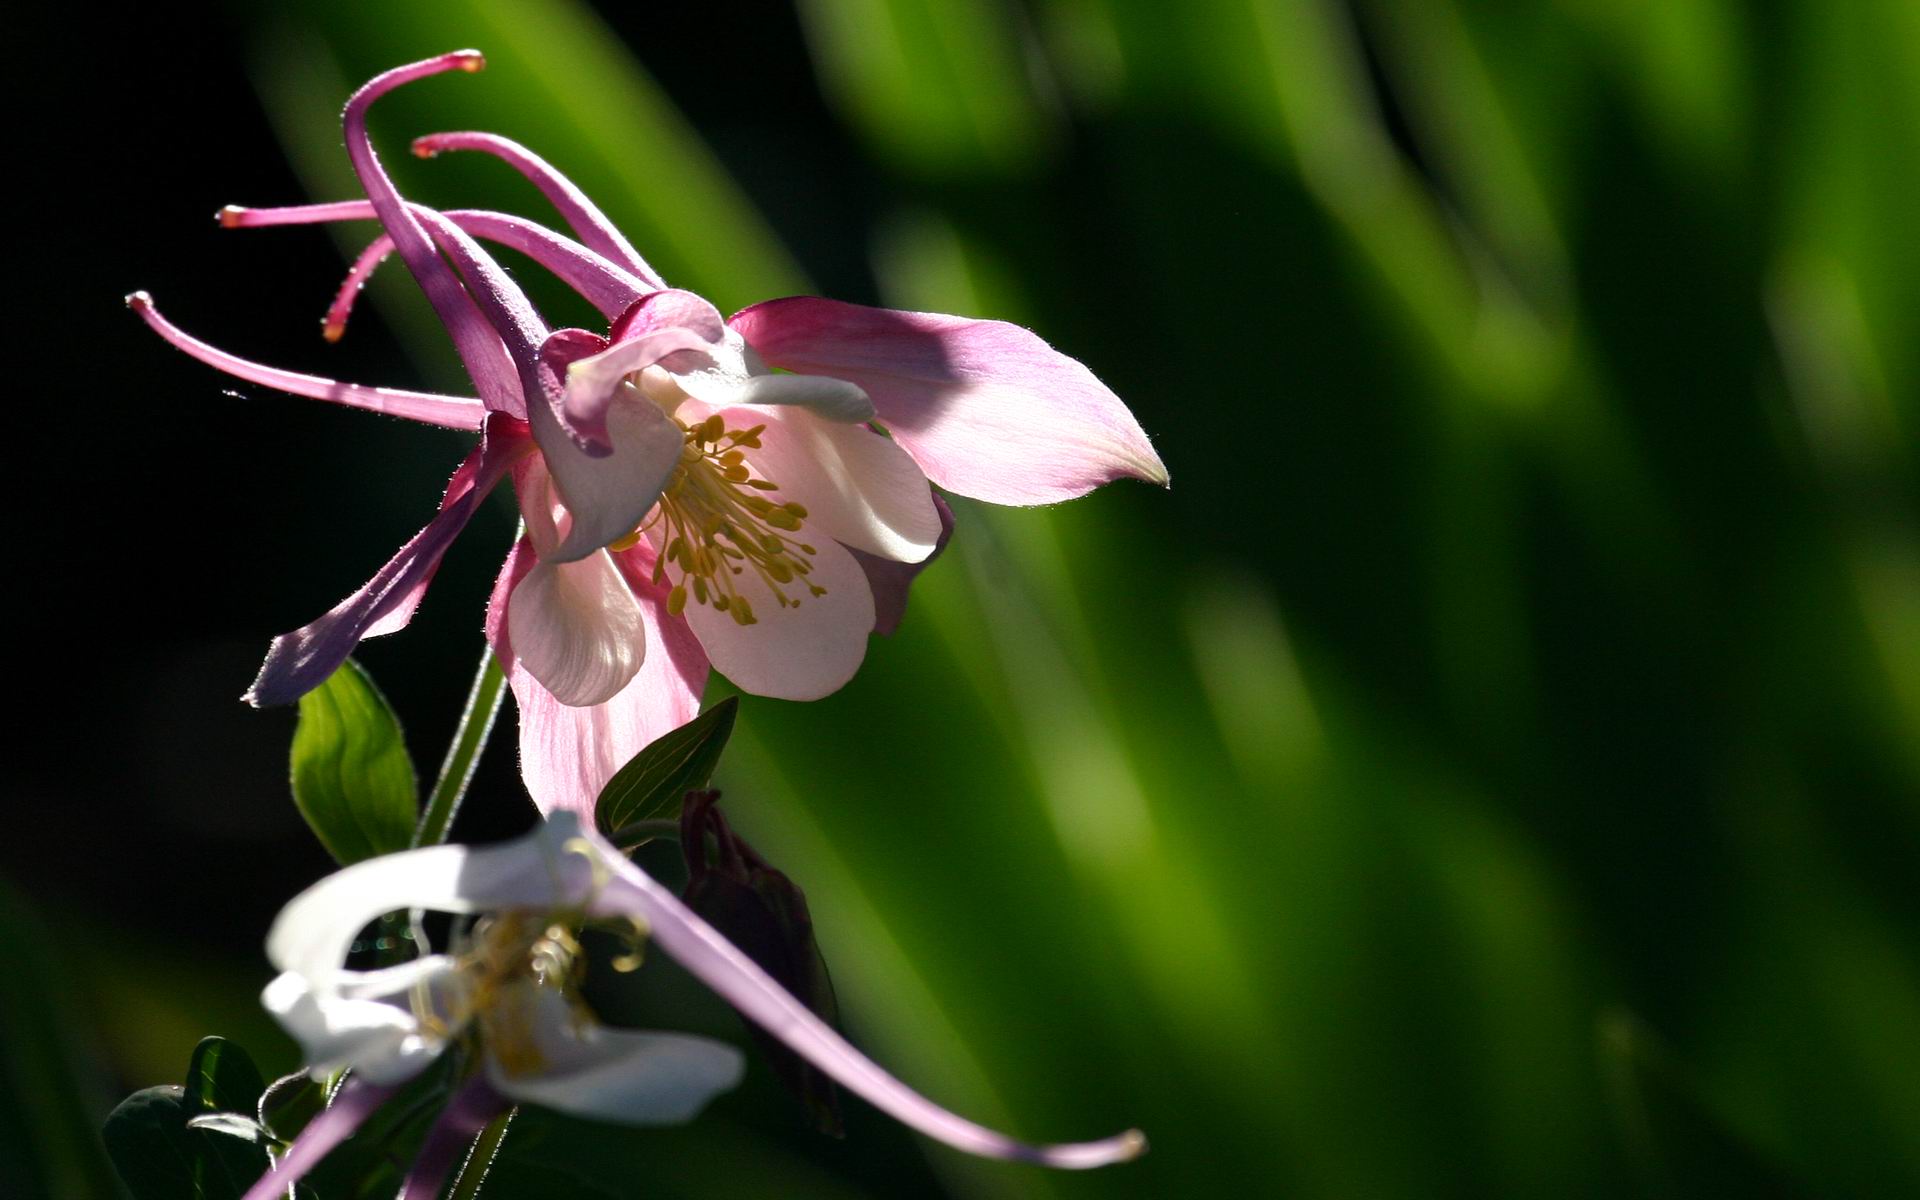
(858, 487)
(892, 580)
(716, 962)
(606, 492)
(351, 1106)
(590, 372)
(791, 653)
(577, 629)
(300, 661)
(579, 212)
(450, 412)
(494, 374)
(568, 754)
(987, 408)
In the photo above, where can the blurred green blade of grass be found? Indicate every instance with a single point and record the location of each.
(54, 1095)
(943, 88)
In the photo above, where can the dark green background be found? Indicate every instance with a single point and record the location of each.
(1489, 771)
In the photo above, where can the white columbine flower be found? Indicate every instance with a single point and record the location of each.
(510, 981)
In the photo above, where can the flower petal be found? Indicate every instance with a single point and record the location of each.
(300, 661)
(568, 754)
(311, 936)
(485, 355)
(383, 1041)
(628, 1076)
(891, 580)
(606, 285)
(987, 408)
(858, 487)
(351, 1106)
(590, 372)
(577, 629)
(450, 412)
(792, 653)
(580, 213)
(606, 493)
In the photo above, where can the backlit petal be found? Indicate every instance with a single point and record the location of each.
(987, 408)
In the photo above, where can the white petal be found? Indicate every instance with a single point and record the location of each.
(859, 488)
(380, 1039)
(790, 653)
(313, 932)
(607, 496)
(577, 628)
(628, 1076)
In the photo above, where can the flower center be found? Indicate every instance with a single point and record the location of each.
(716, 526)
(499, 955)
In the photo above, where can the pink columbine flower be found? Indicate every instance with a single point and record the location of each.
(509, 989)
(748, 492)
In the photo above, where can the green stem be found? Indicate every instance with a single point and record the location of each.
(483, 704)
(467, 1185)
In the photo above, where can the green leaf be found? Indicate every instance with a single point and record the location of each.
(222, 1078)
(652, 785)
(193, 1141)
(160, 1156)
(352, 778)
(289, 1103)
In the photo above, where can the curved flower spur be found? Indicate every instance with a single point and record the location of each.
(685, 502)
(507, 990)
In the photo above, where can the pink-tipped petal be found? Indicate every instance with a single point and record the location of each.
(716, 962)
(793, 653)
(351, 1106)
(606, 491)
(300, 661)
(568, 754)
(453, 1132)
(449, 412)
(580, 213)
(987, 408)
(858, 487)
(891, 581)
(481, 349)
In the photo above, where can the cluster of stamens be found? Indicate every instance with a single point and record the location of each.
(505, 950)
(716, 525)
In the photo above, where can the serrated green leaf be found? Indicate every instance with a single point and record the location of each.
(652, 785)
(352, 778)
(222, 1078)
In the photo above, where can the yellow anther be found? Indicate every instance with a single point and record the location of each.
(626, 541)
(718, 526)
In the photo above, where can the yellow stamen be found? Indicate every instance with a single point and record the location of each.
(715, 526)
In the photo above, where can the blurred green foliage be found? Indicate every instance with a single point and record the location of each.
(1531, 634)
